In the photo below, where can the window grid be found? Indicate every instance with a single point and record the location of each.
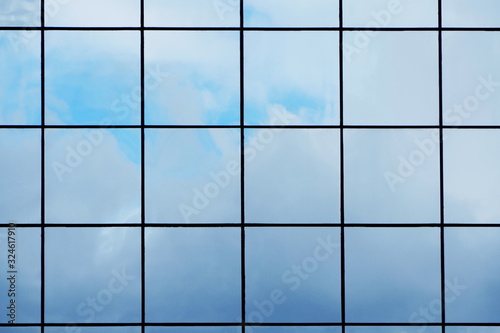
(242, 126)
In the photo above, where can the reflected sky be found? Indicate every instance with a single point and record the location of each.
(20, 79)
(391, 273)
(85, 81)
(391, 78)
(193, 273)
(292, 275)
(303, 82)
(193, 78)
(81, 171)
(20, 175)
(291, 13)
(28, 268)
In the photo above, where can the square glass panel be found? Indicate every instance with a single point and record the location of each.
(193, 275)
(86, 83)
(20, 82)
(92, 13)
(21, 271)
(391, 176)
(292, 175)
(192, 78)
(20, 175)
(291, 13)
(20, 13)
(98, 270)
(192, 13)
(193, 175)
(471, 82)
(472, 271)
(92, 175)
(390, 13)
(391, 78)
(304, 82)
(466, 13)
(471, 178)
(292, 275)
(391, 273)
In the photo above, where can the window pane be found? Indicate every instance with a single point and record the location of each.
(97, 270)
(85, 80)
(92, 13)
(180, 189)
(472, 269)
(21, 281)
(292, 175)
(466, 13)
(19, 13)
(291, 13)
(20, 84)
(391, 176)
(471, 82)
(391, 274)
(304, 83)
(392, 13)
(192, 78)
(192, 13)
(391, 78)
(292, 275)
(471, 176)
(92, 175)
(193, 275)
(20, 170)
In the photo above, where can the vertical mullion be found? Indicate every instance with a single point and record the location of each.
(441, 169)
(341, 153)
(42, 165)
(242, 165)
(143, 207)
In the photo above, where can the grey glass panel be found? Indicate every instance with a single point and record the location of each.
(471, 81)
(391, 274)
(292, 175)
(471, 178)
(20, 170)
(193, 175)
(92, 275)
(192, 77)
(304, 83)
(21, 270)
(192, 13)
(92, 13)
(466, 13)
(391, 175)
(292, 275)
(391, 78)
(390, 13)
(86, 83)
(472, 269)
(193, 275)
(291, 13)
(92, 175)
